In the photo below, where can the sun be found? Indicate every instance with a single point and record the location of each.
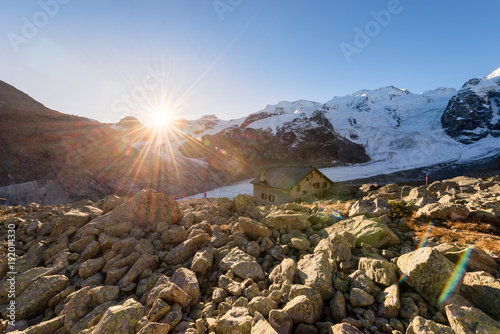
(161, 119)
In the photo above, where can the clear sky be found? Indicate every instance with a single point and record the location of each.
(107, 59)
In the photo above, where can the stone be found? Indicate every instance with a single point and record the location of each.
(103, 294)
(305, 304)
(170, 292)
(74, 218)
(119, 229)
(236, 320)
(285, 271)
(33, 300)
(360, 298)
(186, 249)
(388, 302)
(465, 320)
(158, 310)
(230, 285)
(443, 211)
(361, 207)
(253, 249)
(281, 221)
(23, 280)
(143, 263)
(154, 328)
(300, 242)
(421, 325)
(242, 264)
(482, 289)
(338, 306)
(370, 231)
(315, 270)
(427, 271)
(146, 208)
(336, 246)
(261, 305)
(478, 260)
(358, 279)
(280, 321)
(253, 229)
(244, 204)
(344, 328)
(46, 327)
(301, 310)
(382, 272)
(420, 196)
(77, 305)
(91, 318)
(173, 317)
(261, 326)
(174, 234)
(90, 251)
(110, 202)
(90, 267)
(409, 308)
(187, 281)
(120, 318)
(203, 260)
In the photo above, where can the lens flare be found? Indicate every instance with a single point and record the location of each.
(422, 243)
(456, 276)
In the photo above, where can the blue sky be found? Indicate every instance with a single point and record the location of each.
(107, 59)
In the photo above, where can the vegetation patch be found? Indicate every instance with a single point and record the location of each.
(399, 209)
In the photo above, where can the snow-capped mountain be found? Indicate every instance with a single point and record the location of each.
(381, 131)
(474, 113)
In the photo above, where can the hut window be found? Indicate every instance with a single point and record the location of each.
(263, 196)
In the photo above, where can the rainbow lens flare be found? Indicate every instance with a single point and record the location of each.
(456, 276)
(422, 243)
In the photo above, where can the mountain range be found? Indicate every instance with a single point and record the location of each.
(388, 130)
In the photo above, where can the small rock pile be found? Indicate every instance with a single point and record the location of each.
(153, 265)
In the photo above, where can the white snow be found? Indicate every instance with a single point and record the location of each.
(400, 130)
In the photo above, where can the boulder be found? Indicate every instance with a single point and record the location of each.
(360, 298)
(244, 204)
(427, 271)
(388, 302)
(478, 260)
(483, 290)
(382, 272)
(305, 304)
(338, 306)
(261, 326)
(170, 292)
(143, 263)
(110, 202)
(465, 320)
(120, 318)
(242, 264)
(33, 300)
(236, 320)
(187, 281)
(344, 328)
(90, 267)
(186, 249)
(366, 230)
(253, 229)
(203, 260)
(280, 321)
(421, 325)
(315, 270)
(336, 246)
(443, 211)
(154, 328)
(358, 279)
(158, 310)
(46, 327)
(146, 208)
(174, 234)
(279, 221)
(420, 196)
(285, 271)
(261, 305)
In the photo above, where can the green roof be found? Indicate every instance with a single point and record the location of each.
(285, 177)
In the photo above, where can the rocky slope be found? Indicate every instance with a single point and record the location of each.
(152, 265)
(66, 157)
(474, 112)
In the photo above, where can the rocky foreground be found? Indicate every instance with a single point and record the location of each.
(152, 265)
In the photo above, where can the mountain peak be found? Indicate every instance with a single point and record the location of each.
(494, 74)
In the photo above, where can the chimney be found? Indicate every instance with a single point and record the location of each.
(263, 177)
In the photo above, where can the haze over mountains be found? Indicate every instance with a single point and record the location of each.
(361, 135)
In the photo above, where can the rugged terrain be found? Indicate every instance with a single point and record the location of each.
(392, 259)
